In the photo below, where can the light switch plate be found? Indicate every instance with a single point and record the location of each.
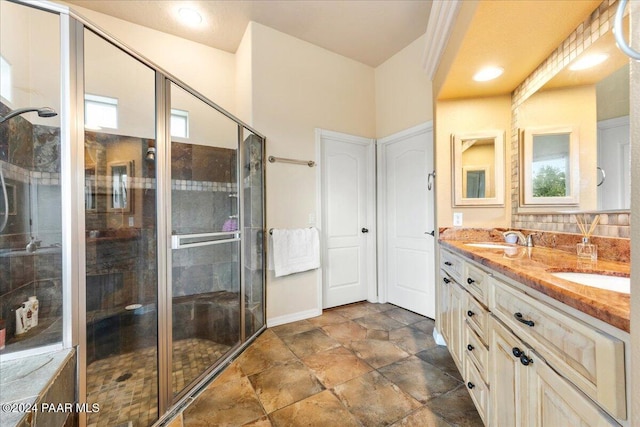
(457, 219)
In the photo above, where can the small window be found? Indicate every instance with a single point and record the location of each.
(179, 123)
(100, 112)
(6, 80)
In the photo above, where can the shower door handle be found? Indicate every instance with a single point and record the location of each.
(183, 241)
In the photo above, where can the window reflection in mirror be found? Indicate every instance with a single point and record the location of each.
(120, 196)
(478, 169)
(550, 167)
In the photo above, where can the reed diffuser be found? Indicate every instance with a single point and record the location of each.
(586, 249)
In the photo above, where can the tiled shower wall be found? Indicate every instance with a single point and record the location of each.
(594, 27)
(204, 198)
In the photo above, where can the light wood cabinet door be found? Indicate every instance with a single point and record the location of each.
(457, 306)
(555, 402)
(444, 307)
(508, 378)
(589, 358)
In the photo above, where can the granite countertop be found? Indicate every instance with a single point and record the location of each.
(24, 380)
(533, 267)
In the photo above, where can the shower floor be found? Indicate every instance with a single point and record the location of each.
(126, 386)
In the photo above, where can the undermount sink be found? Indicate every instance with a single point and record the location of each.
(490, 245)
(596, 280)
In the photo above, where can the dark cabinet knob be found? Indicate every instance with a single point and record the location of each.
(470, 280)
(446, 280)
(470, 385)
(470, 347)
(448, 263)
(516, 352)
(470, 313)
(525, 360)
(365, 230)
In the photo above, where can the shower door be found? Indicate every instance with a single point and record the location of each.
(120, 351)
(205, 238)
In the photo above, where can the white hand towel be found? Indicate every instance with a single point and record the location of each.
(295, 250)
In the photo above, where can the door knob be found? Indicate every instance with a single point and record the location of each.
(365, 230)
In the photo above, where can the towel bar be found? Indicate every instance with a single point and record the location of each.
(309, 163)
(271, 230)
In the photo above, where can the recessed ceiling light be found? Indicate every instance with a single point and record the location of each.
(588, 61)
(189, 16)
(488, 73)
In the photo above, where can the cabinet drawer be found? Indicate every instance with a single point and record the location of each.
(478, 318)
(478, 389)
(476, 352)
(589, 358)
(452, 264)
(475, 281)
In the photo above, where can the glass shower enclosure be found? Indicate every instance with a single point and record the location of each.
(135, 218)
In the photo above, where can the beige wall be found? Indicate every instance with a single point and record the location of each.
(403, 91)
(244, 75)
(298, 87)
(557, 108)
(30, 43)
(207, 70)
(468, 116)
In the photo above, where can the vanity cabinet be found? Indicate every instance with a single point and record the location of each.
(586, 356)
(525, 362)
(464, 324)
(526, 391)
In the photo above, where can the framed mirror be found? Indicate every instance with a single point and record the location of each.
(120, 186)
(478, 169)
(550, 167)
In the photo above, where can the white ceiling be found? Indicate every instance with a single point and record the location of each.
(366, 31)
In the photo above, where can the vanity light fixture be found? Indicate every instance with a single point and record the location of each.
(588, 61)
(488, 73)
(190, 16)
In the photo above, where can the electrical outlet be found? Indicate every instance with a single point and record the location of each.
(312, 218)
(457, 219)
(130, 221)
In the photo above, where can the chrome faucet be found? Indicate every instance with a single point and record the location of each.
(522, 240)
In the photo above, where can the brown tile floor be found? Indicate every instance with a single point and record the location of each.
(359, 365)
(126, 385)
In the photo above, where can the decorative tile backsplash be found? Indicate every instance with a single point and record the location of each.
(598, 24)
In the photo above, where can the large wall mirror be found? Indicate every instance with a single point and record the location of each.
(478, 169)
(589, 94)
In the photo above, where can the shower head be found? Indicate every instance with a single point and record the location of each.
(42, 112)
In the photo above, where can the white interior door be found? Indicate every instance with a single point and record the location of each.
(348, 218)
(406, 206)
(614, 161)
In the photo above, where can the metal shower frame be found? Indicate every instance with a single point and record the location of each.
(72, 26)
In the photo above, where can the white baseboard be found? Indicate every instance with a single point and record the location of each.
(437, 336)
(294, 317)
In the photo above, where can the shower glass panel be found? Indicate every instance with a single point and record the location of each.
(31, 293)
(205, 238)
(252, 229)
(120, 219)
